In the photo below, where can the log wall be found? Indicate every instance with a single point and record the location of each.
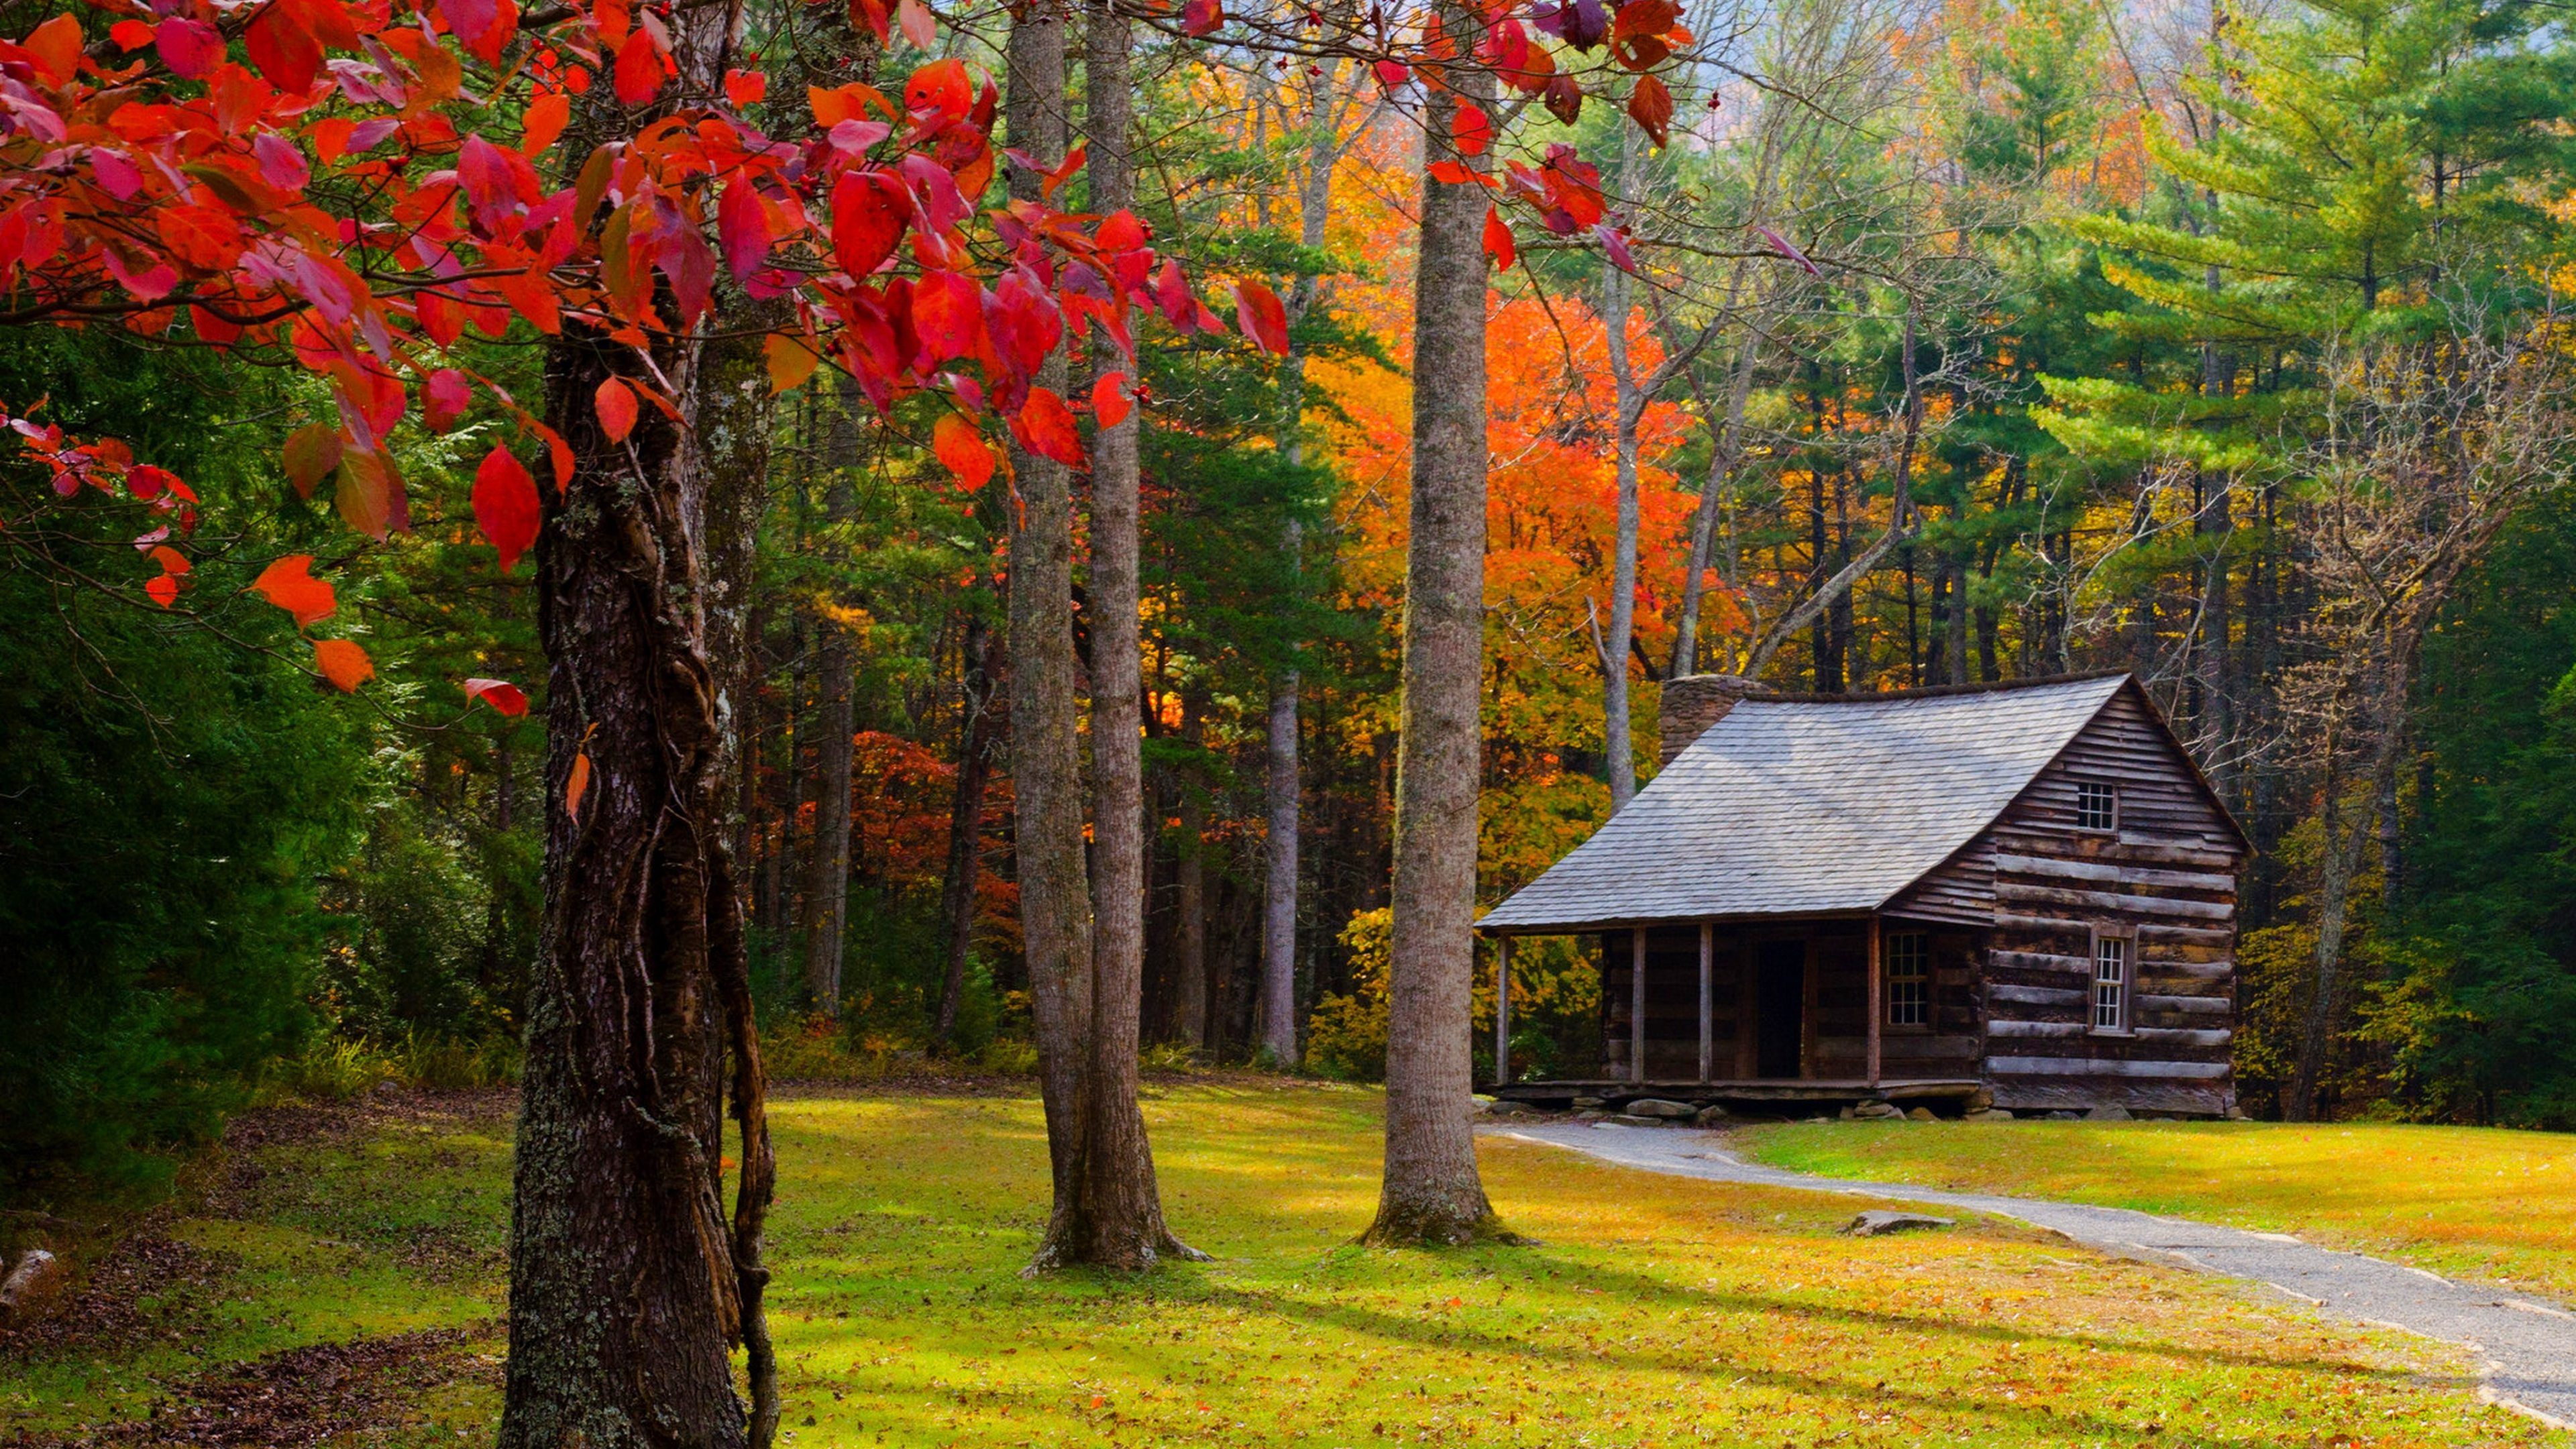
(2168, 873)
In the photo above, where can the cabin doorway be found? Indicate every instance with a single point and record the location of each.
(1780, 1009)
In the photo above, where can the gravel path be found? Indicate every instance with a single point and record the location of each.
(2529, 1349)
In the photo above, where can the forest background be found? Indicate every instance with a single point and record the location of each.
(1940, 344)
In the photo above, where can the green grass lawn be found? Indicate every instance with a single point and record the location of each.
(2476, 1203)
(1658, 1311)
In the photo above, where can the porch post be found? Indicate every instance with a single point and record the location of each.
(1502, 1010)
(1637, 1005)
(1707, 999)
(1877, 1006)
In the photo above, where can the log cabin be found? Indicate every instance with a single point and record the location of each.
(2023, 890)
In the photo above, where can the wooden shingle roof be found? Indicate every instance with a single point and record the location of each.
(1808, 807)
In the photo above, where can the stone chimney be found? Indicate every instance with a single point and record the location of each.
(1695, 701)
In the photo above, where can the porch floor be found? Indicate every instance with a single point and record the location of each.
(1765, 1089)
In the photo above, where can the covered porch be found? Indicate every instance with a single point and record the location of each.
(1849, 1006)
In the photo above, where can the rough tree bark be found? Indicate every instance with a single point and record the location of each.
(1431, 1192)
(628, 1286)
(1278, 1005)
(1046, 748)
(1114, 1215)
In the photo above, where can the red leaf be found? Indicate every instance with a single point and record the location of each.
(283, 49)
(1121, 232)
(190, 48)
(639, 70)
(1172, 294)
(745, 88)
(1392, 73)
(505, 505)
(1046, 428)
(1202, 17)
(290, 585)
(1786, 248)
(130, 34)
(163, 588)
(546, 118)
(1109, 401)
(616, 404)
(948, 313)
(743, 228)
(1498, 240)
(343, 663)
(960, 447)
(868, 213)
(1472, 131)
(1650, 105)
(444, 399)
(1453, 174)
(1258, 313)
(170, 559)
(501, 694)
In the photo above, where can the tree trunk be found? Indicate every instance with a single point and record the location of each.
(1046, 752)
(1431, 1192)
(1190, 1006)
(1278, 1004)
(628, 1287)
(827, 885)
(966, 821)
(1115, 1218)
(1616, 738)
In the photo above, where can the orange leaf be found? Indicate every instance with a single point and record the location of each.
(616, 404)
(164, 589)
(1650, 105)
(343, 663)
(290, 585)
(170, 559)
(960, 447)
(790, 361)
(546, 118)
(576, 785)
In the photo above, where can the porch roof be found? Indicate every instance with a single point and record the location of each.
(1795, 807)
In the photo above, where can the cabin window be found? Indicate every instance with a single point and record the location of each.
(2112, 972)
(2097, 805)
(1909, 980)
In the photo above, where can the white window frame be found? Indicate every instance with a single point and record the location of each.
(2108, 787)
(2119, 1004)
(1921, 959)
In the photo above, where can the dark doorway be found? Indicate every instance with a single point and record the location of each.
(1780, 1009)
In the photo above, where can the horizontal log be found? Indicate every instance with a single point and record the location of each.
(2182, 1036)
(2194, 970)
(2090, 1067)
(2035, 1028)
(2040, 1095)
(1904, 1048)
(2185, 935)
(2202, 1004)
(2037, 961)
(2103, 847)
(2010, 890)
(2115, 874)
(2040, 925)
(2039, 995)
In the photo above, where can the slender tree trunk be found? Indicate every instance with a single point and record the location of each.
(1190, 964)
(1046, 751)
(1617, 740)
(827, 885)
(966, 821)
(1116, 1216)
(1431, 1192)
(1278, 1004)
